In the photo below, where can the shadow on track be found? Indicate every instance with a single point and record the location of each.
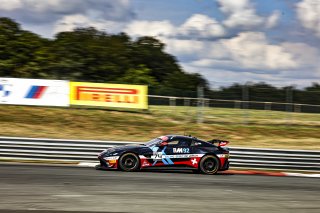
(167, 170)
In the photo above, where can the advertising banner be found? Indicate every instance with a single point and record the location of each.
(109, 95)
(21, 91)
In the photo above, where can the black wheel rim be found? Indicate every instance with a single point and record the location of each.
(129, 162)
(209, 165)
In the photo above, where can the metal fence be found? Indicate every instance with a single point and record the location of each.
(77, 151)
(237, 104)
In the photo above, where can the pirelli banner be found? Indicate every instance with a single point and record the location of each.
(19, 91)
(109, 95)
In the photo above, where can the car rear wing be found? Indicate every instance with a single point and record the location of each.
(219, 142)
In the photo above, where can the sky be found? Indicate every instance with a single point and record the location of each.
(227, 41)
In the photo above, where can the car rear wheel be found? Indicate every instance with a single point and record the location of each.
(209, 164)
(129, 162)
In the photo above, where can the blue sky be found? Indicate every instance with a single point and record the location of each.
(227, 41)
(175, 10)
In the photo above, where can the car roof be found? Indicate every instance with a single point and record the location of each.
(172, 137)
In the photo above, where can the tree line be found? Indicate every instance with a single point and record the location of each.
(87, 54)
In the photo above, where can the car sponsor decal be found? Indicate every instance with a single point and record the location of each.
(194, 161)
(181, 150)
(112, 161)
(112, 158)
(185, 156)
(160, 156)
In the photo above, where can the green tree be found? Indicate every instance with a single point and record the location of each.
(18, 50)
(139, 75)
(90, 55)
(150, 51)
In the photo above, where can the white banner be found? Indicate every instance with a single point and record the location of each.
(21, 91)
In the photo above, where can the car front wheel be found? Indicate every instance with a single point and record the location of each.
(129, 162)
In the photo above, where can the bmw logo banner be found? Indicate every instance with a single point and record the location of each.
(21, 91)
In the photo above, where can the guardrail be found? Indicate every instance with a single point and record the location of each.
(76, 151)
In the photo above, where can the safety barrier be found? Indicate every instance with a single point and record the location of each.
(77, 151)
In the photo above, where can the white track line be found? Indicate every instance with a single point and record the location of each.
(301, 175)
(87, 164)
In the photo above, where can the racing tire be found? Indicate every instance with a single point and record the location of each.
(209, 165)
(129, 162)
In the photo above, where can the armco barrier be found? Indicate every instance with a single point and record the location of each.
(76, 151)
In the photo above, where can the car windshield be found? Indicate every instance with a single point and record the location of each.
(153, 142)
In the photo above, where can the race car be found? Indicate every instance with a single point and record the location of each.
(207, 157)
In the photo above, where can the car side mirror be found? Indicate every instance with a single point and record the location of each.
(163, 144)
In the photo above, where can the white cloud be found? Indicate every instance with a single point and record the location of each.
(242, 14)
(249, 50)
(303, 54)
(273, 20)
(184, 40)
(202, 26)
(6, 5)
(251, 57)
(252, 50)
(308, 12)
(150, 28)
(196, 27)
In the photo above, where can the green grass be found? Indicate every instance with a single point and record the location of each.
(254, 128)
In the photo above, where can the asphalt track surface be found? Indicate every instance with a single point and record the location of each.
(37, 189)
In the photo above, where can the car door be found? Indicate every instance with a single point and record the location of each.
(162, 153)
(178, 151)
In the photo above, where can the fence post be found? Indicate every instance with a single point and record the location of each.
(267, 105)
(172, 101)
(289, 99)
(289, 104)
(245, 99)
(237, 104)
(186, 102)
(297, 107)
(200, 105)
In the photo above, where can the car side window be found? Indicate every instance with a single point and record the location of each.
(180, 142)
(173, 143)
(196, 143)
(184, 142)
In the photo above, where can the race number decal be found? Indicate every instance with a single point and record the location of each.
(157, 155)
